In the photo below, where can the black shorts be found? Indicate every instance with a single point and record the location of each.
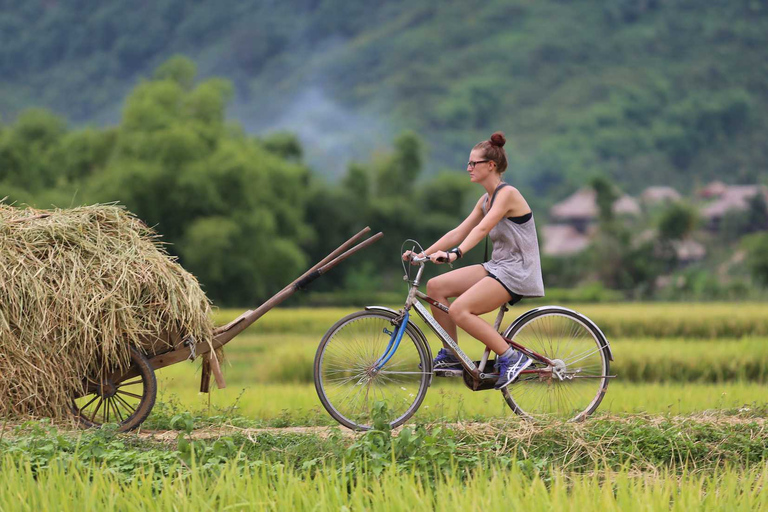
(515, 297)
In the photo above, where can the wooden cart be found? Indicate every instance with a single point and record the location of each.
(126, 397)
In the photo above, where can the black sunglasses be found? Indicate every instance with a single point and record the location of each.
(472, 163)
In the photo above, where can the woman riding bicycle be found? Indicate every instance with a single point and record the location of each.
(513, 272)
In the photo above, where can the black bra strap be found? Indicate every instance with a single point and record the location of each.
(521, 219)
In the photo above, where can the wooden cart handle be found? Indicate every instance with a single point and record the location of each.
(333, 255)
(223, 334)
(307, 278)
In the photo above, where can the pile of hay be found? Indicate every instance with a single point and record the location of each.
(77, 288)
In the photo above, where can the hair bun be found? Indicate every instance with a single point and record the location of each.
(497, 139)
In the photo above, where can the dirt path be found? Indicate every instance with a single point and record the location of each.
(513, 428)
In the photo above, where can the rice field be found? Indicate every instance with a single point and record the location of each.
(657, 319)
(682, 427)
(721, 367)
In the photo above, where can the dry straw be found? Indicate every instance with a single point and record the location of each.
(77, 288)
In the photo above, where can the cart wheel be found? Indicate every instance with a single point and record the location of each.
(125, 398)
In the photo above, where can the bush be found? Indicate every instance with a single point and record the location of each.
(757, 257)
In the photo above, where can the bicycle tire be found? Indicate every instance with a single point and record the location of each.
(345, 358)
(567, 336)
(103, 391)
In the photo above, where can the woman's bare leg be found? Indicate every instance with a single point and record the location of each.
(485, 296)
(449, 285)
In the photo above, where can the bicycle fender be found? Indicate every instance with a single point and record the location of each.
(589, 323)
(411, 326)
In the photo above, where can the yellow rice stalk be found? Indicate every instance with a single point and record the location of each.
(77, 288)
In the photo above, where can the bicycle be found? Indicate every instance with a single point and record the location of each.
(363, 359)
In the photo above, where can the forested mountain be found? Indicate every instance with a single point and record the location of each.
(643, 91)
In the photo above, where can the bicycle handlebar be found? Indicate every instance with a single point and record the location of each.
(417, 259)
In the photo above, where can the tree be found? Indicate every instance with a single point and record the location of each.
(757, 262)
(607, 194)
(397, 172)
(178, 69)
(27, 148)
(757, 213)
(233, 205)
(677, 221)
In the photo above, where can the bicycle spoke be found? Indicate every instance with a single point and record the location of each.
(578, 354)
(348, 356)
(385, 372)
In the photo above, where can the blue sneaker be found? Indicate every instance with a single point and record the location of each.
(445, 360)
(510, 368)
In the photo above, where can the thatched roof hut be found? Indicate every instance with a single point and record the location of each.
(689, 250)
(713, 189)
(580, 208)
(581, 205)
(734, 197)
(658, 194)
(563, 240)
(626, 205)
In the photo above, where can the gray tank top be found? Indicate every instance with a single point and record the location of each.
(515, 261)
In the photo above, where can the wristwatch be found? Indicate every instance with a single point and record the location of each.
(456, 251)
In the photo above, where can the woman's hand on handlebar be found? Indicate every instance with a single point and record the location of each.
(410, 255)
(439, 257)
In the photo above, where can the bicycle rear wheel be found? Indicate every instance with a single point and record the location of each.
(575, 386)
(346, 378)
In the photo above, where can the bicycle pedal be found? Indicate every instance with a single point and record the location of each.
(445, 372)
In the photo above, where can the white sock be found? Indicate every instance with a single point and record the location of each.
(509, 353)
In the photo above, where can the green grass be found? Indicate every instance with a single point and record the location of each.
(275, 487)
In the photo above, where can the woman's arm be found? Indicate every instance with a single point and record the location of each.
(460, 232)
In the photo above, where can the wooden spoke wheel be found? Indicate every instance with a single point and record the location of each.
(124, 398)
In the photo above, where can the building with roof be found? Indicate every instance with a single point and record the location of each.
(712, 190)
(563, 240)
(627, 205)
(580, 209)
(689, 251)
(655, 195)
(730, 198)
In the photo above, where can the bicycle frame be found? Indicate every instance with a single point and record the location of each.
(476, 371)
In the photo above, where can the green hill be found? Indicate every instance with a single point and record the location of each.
(645, 91)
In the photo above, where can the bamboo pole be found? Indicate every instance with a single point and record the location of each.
(322, 262)
(327, 263)
(224, 334)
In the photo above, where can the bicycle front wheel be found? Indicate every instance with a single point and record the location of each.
(574, 386)
(348, 381)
